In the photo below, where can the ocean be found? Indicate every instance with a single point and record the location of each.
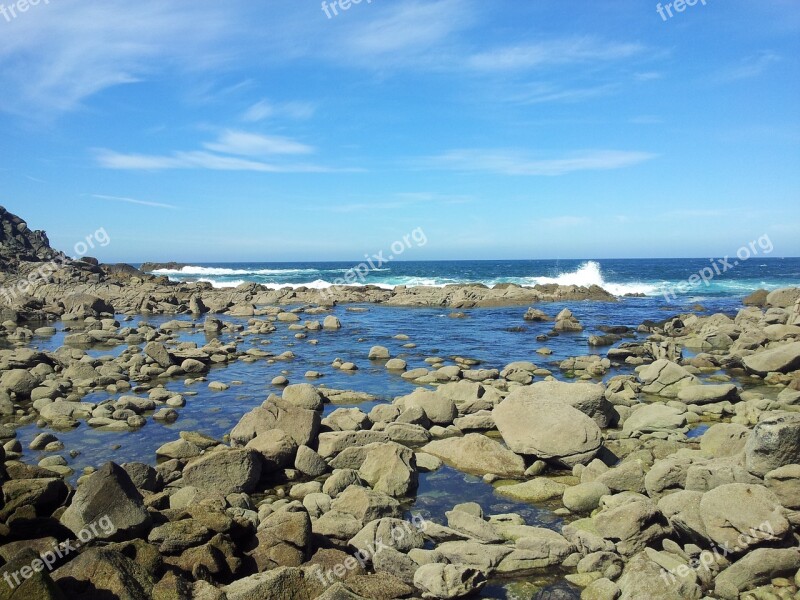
(652, 277)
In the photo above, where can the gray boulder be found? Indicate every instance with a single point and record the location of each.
(108, 500)
(548, 429)
(773, 443)
(781, 359)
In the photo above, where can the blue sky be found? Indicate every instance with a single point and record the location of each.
(224, 131)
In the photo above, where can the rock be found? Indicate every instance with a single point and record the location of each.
(643, 578)
(378, 353)
(584, 497)
(158, 352)
(303, 395)
(309, 462)
(665, 378)
(472, 525)
(708, 394)
(547, 428)
(589, 398)
(38, 586)
(227, 471)
(757, 298)
(477, 454)
(300, 423)
(290, 583)
(143, 476)
(334, 442)
(331, 322)
(756, 568)
(448, 581)
(740, 515)
(781, 359)
(365, 505)
(108, 499)
(783, 297)
(631, 521)
(439, 409)
(474, 555)
(283, 540)
(535, 490)
(103, 573)
(784, 482)
(19, 381)
(346, 419)
(773, 443)
(534, 314)
(566, 321)
(395, 364)
(390, 468)
(43, 495)
(724, 439)
(394, 533)
(276, 449)
(654, 417)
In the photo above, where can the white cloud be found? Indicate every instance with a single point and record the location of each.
(253, 144)
(752, 66)
(538, 93)
(134, 201)
(512, 162)
(264, 109)
(552, 53)
(110, 159)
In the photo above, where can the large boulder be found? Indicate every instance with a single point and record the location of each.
(227, 471)
(665, 378)
(708, 394)
(477, 454)
(649, 418)
(439, 409)
(773, 443)
(589, 398)
(303, 395)
(631, 522)
(275, 448)
(19, 381)
(110, 502)
(781, 359)
(739, 516)
(783, 297)
(547, 428)
(756, 568)
(437, 580)
(390, 468)
(300, 423)
(103, 573)
(283, 540)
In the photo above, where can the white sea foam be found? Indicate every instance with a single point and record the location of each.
(221, 271)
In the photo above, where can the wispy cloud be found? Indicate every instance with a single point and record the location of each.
(552, 53)
(538, 93)
(134, 201)
(231, 151)
(70, 50)
(513, 162)
(110, 159)
(264, 109)
(253, 144)
(752, 66)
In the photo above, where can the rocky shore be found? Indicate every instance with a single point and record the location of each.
(300, 502)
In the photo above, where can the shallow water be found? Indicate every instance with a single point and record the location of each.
(494, 336)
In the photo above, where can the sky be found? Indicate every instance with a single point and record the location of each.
(288, 130)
